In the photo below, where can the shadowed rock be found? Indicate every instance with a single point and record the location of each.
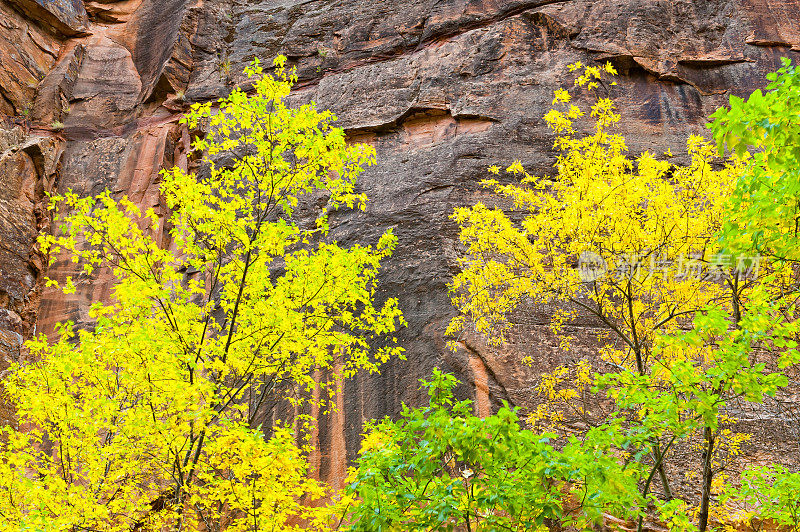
(67, 17)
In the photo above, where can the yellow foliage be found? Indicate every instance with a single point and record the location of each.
(628, 240)
(631, 241)
(159, 417)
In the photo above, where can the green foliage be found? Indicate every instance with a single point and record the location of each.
(768, 493)
(152, 419)
(682, 340)
(700, 370)
(765, 130)
(764, 214)
(701, 374)
(440, 467)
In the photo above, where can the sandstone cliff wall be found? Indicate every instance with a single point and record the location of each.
(91, 91)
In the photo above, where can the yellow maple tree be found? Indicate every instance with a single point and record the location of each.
(630, 241)
(158, 416)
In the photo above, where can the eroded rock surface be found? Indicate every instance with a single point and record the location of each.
(28, 168)
(67, 17)
(27, 53)
(442, 89)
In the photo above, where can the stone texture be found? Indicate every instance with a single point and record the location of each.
(56, 90)
(405, 76)
(104, 79)
(111, 11)
(108, 86)
(67, 17)
(442, 89)
(27, 169)
(27, 53)
(126, 166)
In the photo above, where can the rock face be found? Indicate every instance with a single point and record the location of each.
(442, 89)
(67, 17)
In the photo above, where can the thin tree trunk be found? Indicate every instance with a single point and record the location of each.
(662, 474)
(708, 476)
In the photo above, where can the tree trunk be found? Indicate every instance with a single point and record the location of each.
(708, 476)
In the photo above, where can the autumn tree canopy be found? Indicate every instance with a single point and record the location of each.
(155, 417)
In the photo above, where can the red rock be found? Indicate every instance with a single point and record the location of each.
(56, 90)
(67, 17)
(27, 53)
(27, 170)
(442, 89)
